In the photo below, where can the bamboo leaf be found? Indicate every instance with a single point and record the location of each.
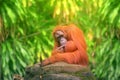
(21, 61)
(10, 13)
(21, 30)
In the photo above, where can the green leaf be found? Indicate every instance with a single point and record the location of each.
(21, 30)
(21, 61)
(10, 13)
(3, 48)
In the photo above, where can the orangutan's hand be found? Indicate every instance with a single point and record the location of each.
(60, 49)
(45, 62)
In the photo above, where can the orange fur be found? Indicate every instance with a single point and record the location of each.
(75, 48)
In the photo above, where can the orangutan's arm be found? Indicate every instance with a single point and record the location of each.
(65, 57)
(57, 50)
(69, 47)
(69, 57)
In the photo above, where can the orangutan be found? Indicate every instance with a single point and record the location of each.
(69, 46)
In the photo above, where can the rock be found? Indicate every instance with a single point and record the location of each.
(61, 76)
(58, 71)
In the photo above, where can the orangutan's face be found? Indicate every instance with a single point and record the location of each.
(59, 35)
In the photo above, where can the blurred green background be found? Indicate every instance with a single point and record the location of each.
(26, 33)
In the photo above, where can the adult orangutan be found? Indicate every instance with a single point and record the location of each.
(69, 46)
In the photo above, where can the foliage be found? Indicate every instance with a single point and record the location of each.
(13, 51)
(26, 26)
(22, 36)
(107, 51)
(65, 10)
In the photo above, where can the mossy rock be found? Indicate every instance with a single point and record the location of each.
(58, 71)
